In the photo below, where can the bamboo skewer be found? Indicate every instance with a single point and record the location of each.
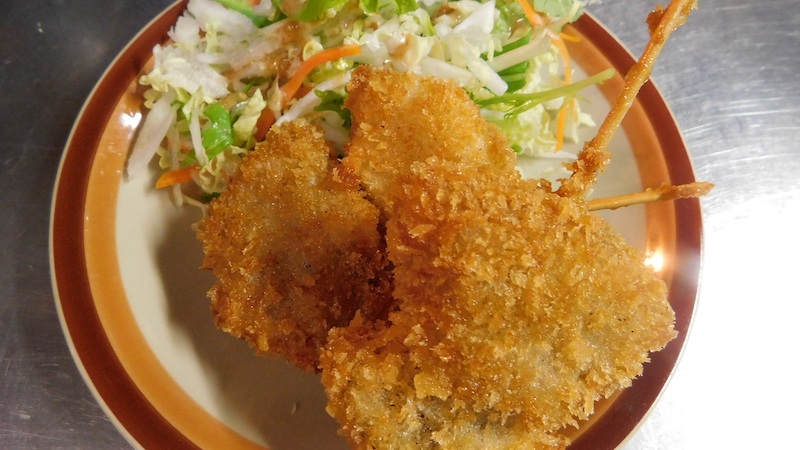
(594, 157)
(664, 192)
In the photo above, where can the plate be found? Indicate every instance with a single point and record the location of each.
(131, 299)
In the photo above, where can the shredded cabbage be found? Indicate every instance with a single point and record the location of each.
(245, 126)
(227, 60)
(156, 126)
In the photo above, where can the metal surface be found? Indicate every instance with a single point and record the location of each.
(732, 78)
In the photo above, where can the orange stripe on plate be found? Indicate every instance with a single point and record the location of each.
(111, 301)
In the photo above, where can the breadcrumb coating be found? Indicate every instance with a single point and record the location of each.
(294, 247)
(448, 302)
(517, 309)
(398, 120)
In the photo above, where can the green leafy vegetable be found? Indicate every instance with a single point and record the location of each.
(524, 40)
(404, 6)
(244, 8)
(333, 101)
(316, 9)
(369, 6)
(522, 102)
(219, 135)
(400, 6)
(514, 76)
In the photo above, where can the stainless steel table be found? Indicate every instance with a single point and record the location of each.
(732, 78)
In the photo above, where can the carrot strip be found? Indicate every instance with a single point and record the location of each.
(292, 87)
(569, 37)
(303, 91)
(176, 176)
(264, 123)
(332, 54)
(562, 115)
(560, 125)
(533, 17)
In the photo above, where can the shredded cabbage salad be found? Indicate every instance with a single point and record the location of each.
(233, 68)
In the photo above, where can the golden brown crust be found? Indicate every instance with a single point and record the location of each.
(517, 311)
(516, 308)
(400, 119)
(294, 247)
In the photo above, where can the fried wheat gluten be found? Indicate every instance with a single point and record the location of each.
(517, 308)
(294, 247)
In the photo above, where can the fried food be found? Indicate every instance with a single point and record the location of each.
(400, 119)
(294, 247)
(513, 308)
(516, 308)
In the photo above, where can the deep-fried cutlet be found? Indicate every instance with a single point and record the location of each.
(294, 247)
(517, 309)
(402, 118)
(514, 309)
